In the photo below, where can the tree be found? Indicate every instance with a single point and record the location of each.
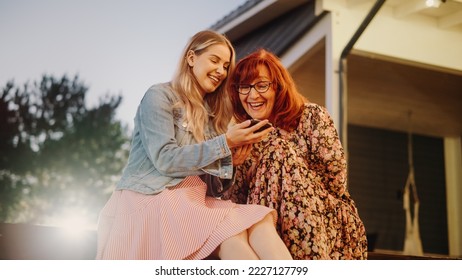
(55, 153)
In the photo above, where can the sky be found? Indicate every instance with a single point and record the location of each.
(114, 46)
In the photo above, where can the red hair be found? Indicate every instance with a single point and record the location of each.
(289, 102)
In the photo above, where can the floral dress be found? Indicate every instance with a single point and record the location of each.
(302, 174)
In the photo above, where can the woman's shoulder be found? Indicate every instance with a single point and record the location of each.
(313, 108)
(165, 88)
(160, 91)
(310, 110)
(315, 113)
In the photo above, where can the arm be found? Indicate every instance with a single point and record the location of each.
(159, 139)
(325, 152)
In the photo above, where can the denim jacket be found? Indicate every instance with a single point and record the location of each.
(163, 152)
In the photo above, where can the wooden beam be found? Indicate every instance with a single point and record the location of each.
(409, 7)
(353, 3)
(450, 20)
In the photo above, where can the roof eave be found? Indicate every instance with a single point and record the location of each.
(253, 14)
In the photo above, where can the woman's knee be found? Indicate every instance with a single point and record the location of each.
(240, 239)
(266, 223)
(236, 247)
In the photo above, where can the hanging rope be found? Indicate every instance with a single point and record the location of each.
(412, 241)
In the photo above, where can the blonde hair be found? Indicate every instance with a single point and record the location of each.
(187, 88)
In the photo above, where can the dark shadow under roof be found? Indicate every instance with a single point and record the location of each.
(277, 35)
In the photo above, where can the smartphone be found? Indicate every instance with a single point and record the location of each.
(255, 121)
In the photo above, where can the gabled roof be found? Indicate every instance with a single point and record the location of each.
(276, 35)
(235, 13)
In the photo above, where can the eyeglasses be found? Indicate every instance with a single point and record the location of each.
(260, 87)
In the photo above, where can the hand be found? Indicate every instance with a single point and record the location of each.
(241, 134)
(240, 154)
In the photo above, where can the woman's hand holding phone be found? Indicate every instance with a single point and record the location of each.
(247, 132)
(265, 126)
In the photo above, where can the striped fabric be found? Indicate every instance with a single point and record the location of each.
(179, 223)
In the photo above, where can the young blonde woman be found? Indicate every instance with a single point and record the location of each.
(160, 209)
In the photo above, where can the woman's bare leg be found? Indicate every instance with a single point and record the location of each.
(237, 248)
(266, 242)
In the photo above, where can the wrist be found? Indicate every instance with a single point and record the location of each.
(228, 141)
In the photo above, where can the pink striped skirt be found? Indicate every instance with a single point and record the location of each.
(179, 223)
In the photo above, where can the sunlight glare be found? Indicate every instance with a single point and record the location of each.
(74, 224)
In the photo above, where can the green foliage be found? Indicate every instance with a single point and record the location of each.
(55, 153)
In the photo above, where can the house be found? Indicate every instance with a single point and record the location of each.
(390, 74)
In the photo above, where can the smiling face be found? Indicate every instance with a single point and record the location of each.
(259, 105)
(210, 67)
